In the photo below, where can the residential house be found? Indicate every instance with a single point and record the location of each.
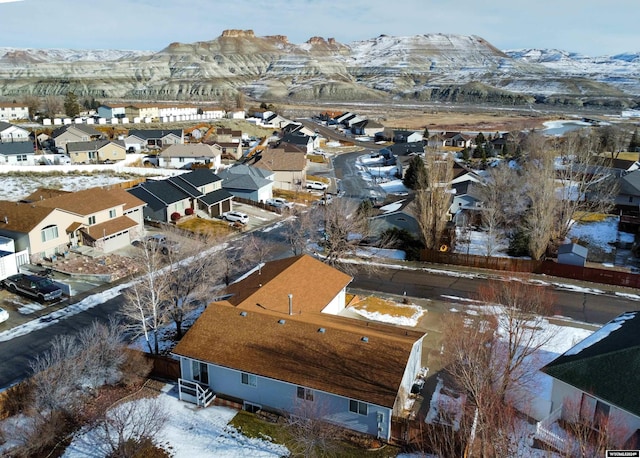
(199, 189)
(177, 110)
(10, 133)
(397, 214)
(271, 120)
(398, 136)
(17, 153)
(213, 112)
(71, 133)
(106, 219)
(366, 127)
(97, 151)
(11, 111)
(457, 140)
(228, 150)
(597, 380)
(466, 206)
(407, 149)
(235, 114)
(306, 142)
(303, 357)
(142, 111)
(225, 135)
(289, 169)
(153, 139)
(248, 182)
(299, 128)
(344, 118)
(112, 111)
(189, 155)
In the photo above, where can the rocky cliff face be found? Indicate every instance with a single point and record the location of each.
(434, 67)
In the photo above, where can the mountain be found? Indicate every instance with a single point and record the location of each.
(430, 67)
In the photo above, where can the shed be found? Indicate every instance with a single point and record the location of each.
(572, 254)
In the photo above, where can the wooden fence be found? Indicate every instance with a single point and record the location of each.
(258, 204)
(164, 367)
(547, 267)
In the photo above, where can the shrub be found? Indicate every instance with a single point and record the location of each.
(175, 216)
(188, 211)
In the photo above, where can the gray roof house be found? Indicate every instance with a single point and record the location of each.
(200, 189)
(153, 138)
(74, 133)
(599, 377)
(248, 182)
(17, 153)
(11, 133)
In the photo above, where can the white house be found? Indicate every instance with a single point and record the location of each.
(290, 353)
(11, 111)
(184, 156)
(597, 380)
(17, 153)
(10, 133)
(112, 111)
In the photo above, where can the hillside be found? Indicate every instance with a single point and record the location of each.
(424, 68)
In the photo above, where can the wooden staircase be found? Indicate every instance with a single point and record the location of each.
(190, 391)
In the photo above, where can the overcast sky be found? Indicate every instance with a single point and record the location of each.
(590, 27)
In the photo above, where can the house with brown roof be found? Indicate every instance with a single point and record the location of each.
(289, 352)
(50, 223)
(289, 169)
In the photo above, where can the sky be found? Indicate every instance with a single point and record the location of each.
(589, 27)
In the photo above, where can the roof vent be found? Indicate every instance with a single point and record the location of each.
(322, 330)
(281, 321)
(243, 313)
(365, 339)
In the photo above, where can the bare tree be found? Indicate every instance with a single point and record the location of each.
(52, 105)
(102, 354)
(298, 230)
(311, 435)
(615, 139)
(343, 227)
(144, 300)
(33, 105)
(586, 184)
(591, 433)
(490, 359)
(433, 198)
(128, 428)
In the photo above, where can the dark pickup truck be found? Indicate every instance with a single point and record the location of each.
(32, 286)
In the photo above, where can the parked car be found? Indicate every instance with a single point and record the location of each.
(32, 286)
(326, 199)
(158, 242)
(317, 185)
(4, 315)
(279, 202)
(235, 216)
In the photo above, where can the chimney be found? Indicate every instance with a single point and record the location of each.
(290, 304)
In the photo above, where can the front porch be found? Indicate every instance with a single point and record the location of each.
(195, 393)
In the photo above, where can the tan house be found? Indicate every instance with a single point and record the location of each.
(50, 223)
(142, 110)
(98, 151)
(228, 150)
(289, 169)
(185, 156)
(74, 133)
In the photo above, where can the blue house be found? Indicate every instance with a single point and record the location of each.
(277, 344)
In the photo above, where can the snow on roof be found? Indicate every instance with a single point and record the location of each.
(600, 334)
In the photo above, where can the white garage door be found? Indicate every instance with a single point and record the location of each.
(116, 241)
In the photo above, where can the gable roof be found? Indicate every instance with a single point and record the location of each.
(269, 342)
(194, 150)
(43, 193)
(154, 133)
(94, 145)
(606, 364)
(110, 227)
(84, 202)
(15, 148)
(280, 160)
(299, 275)
(199, 177)
(153, 202)
(573, 248)
(163, 191)
(81, 127)
(630, 183)
(21, 217)
(245, 177)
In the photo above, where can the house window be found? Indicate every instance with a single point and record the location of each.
(21, 158)
(92, 220)
(181, 159)
(112, 213)
(249, 379)
(49, 233)
(305, 393)
(357, 407)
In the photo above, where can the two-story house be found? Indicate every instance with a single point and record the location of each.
(10, 133)
(11, 111)
(153, 138)
(71, 133)
(50, 223)
(289, 169)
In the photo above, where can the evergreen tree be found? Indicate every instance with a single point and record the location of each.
(425, 134)
(416, 173)
(480, 139)
(634, 144)
(71, 105)
(466, 154)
